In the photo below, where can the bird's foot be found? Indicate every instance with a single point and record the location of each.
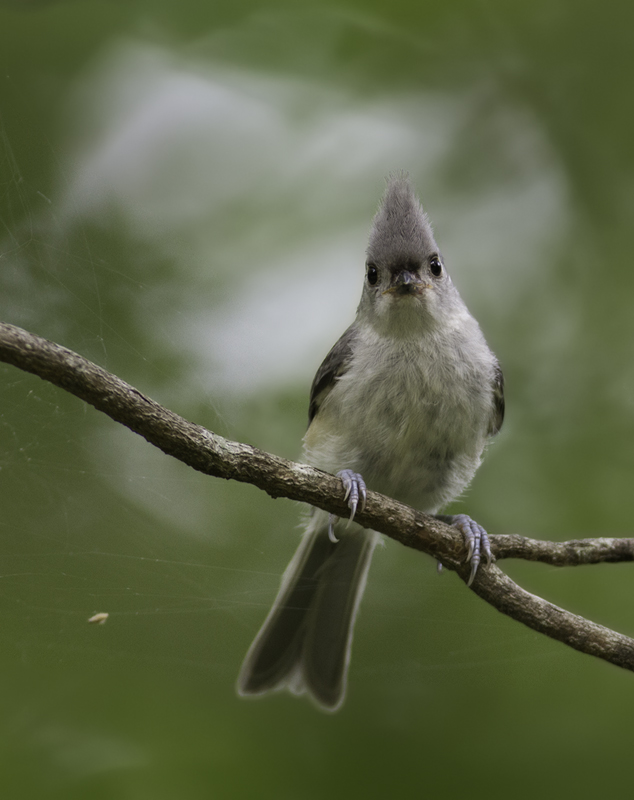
(355, 493)
(476, 539)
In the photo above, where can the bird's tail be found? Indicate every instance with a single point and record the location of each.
(304, 644)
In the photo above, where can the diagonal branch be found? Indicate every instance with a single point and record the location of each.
(213, 455)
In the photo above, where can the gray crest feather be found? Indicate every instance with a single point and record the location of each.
(401, 229)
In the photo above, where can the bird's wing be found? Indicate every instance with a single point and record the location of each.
(336, 364)
(497, 417)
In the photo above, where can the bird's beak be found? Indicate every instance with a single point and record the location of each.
(406, 282)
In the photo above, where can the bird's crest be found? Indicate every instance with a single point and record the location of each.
(401, 229)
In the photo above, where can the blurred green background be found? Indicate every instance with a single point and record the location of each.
(186, 190)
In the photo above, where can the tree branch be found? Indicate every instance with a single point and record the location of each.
(213, 455)
(572, 553)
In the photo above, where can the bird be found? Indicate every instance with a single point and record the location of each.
(403, 404)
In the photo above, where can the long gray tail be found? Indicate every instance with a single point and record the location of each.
(304, 644)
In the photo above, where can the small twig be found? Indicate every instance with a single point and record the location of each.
(212, 454)
(564, 554)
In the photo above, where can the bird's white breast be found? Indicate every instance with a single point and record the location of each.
(412, 418)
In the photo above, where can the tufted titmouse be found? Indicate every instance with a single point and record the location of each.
(403, 404)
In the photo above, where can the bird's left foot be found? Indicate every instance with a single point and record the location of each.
(476, 539)
(355, 491)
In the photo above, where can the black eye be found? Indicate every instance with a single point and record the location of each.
(373, 275)
(436, 266)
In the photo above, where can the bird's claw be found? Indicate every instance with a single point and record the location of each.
(476, 540)
(332, 519)
(354, 491)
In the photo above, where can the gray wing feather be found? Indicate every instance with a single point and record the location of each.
(336, 363)
(498, 401)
